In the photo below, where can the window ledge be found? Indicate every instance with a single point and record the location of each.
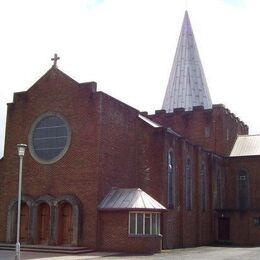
(148, 236)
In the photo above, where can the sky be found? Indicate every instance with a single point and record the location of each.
(128, 47)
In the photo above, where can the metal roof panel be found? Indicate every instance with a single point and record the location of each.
(129, 199)
(246, 145)
(187, 86)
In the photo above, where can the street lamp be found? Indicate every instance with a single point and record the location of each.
(21, 150)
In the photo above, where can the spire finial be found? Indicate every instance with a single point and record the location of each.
(55, 59)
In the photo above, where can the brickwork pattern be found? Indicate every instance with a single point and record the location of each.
(112, 147)
(115, 237)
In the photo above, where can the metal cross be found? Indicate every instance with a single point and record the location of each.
(55, 59)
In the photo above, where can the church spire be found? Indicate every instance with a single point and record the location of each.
(187, 86)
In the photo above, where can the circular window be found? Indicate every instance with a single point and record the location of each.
(49, 138)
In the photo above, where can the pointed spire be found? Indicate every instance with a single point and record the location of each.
(187, 86)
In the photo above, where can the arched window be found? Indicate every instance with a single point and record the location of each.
(188, 185)
(219, 190)
(171, 181)
(203, 186)
(243, 189)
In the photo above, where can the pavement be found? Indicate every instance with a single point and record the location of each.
(196, 253)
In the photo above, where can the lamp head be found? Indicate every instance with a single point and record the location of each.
(21, 149)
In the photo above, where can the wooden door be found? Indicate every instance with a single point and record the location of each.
(66, 224)
(223, 229)
(43, 223)
(24, 223)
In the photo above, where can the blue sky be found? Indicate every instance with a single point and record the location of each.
(128, 46)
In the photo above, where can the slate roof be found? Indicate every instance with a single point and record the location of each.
(187, 86)
(129, 199)
(246, 145)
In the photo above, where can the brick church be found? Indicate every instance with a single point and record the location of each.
(101, 174)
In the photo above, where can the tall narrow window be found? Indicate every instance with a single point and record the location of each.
(228, 134)
(207, 132)
(188, 184)
(203, 186)
(243, 190)
(219, 193)
(171, 183)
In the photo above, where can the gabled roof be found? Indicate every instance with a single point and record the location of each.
(52, 73)
(187, 86)
(129, 199)
(246, 145)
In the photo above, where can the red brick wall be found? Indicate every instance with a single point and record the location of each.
(204, 216)
(194, 124)
(239, 228)
(76, 172)
(252, 165)
(104, 150)
(114, 235)
(171, 229)
(150, 160)
(254, 231)
(111, 147)
(243, 231)
(178, 222)
(117, 137)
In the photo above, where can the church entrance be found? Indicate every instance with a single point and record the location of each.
(66, 228)
(24, 223)
(223, 229)
(43, 223)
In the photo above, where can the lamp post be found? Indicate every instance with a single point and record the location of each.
(21, 150)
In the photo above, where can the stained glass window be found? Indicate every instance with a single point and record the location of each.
(243, 190)
(188, 185)
(49, 137)
(170, 172)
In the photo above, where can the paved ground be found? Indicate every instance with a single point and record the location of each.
(198, 253)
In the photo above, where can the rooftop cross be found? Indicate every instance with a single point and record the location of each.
(55, 59)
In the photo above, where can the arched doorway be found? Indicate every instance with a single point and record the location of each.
(65, 224)
(24, 223)
(43, 223)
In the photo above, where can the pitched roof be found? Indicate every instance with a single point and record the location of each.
(246, 145)
(126, 199)
(187, 86)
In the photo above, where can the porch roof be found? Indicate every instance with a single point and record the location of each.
(129, 199)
